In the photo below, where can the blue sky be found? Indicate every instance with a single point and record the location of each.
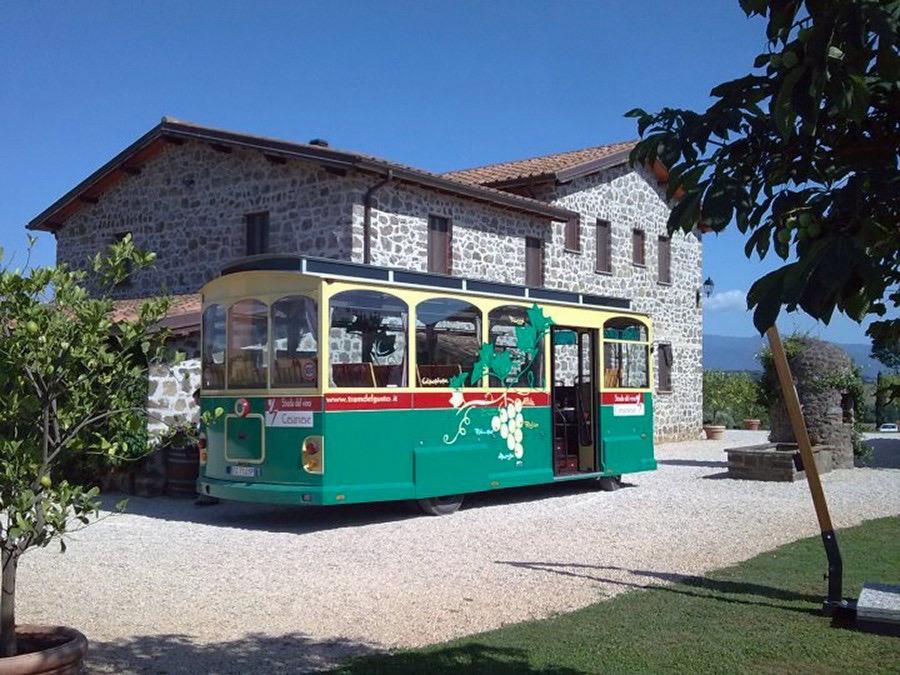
(436, 85)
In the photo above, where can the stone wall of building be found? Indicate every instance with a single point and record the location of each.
(487, 242)
(189, 203)
(170, 401)
(632, 199)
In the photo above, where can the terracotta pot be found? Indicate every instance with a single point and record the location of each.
(47, 650)
(751, 425)
(714, 432)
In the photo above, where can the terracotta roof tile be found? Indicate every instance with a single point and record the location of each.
(547, 166)
(183, 314)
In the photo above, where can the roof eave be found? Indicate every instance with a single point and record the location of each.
(174, 130)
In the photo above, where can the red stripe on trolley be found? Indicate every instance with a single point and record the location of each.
(427, 399)
(368, 401)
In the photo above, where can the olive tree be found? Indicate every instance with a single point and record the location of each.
(66, 372)
(801, 155)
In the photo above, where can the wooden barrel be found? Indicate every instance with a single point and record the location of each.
(182, 469)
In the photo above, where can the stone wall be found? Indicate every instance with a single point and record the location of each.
(829, 419)
(633, 199)
(188, 206)
(486, 243)
(170, 396)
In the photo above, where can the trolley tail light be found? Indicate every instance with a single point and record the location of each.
(312, 455)
(201, 446)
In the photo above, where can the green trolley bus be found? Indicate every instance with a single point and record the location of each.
(347, 383)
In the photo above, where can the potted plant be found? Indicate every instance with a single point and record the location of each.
(714, 425)
(68, 375)
(752, 424)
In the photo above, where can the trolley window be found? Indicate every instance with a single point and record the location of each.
(248, 345)
(448, 337)
(625, 354)
(367, 340)
(295, 342)
(213, 347)
(527, 365)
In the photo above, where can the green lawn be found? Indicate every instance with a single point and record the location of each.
(762, 616)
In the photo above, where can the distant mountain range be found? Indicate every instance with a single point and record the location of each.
(722, 352)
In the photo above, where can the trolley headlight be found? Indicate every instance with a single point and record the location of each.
(312, 454)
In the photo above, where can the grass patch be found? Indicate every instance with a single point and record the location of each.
(762, 616)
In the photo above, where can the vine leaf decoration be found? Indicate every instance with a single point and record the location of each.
(506, 366)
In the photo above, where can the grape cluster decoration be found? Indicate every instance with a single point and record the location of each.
(508, 367)
(508, 422)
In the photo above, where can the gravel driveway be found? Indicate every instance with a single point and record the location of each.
(172, 588)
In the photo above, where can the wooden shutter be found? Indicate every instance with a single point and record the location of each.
(664, 367)
(604, 247)
(439, 253)
(257, 239)
(637, 247)
(665, 260)
(534, 261)
(573, 234)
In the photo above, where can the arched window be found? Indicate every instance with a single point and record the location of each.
(248, 345)
(506, 324)
(214, 347)
(448, 337)
(367, 340)
(625, 354)
(295, 337)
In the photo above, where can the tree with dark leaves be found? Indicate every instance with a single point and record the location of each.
(802, 156)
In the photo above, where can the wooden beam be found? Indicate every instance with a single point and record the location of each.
(835, 600)
(219, 147)
(131, 170)
(88, 200)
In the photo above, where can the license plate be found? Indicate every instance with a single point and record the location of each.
(243, 471)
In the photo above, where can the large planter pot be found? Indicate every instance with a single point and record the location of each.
(182, 470)
(45, 650)
(751, 425)
(714, 432)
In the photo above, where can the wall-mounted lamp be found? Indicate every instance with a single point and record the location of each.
(708, 287)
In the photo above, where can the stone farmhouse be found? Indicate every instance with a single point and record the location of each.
(583, 220)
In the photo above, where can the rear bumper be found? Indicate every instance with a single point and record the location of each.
(261, 493)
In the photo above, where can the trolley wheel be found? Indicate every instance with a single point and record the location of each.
(440, 506)
(609, 483)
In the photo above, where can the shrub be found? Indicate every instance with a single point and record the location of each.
(730, 397)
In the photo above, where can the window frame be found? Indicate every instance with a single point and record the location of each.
(405, 332)
(619, 343)
(267, 351)
(638, 235)
(604, 255)
(478, 337)
(203, 350)
(273, 351)
(540, 361)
